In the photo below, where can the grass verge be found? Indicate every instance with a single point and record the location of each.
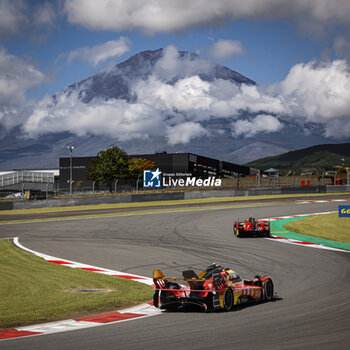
(34, 291)
(328, 226)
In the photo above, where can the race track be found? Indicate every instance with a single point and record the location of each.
(313, 285)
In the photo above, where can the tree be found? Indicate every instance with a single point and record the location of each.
(138, 165)
(110, 165)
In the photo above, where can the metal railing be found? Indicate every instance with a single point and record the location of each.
(25, 176)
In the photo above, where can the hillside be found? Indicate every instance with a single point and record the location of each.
(324, 157)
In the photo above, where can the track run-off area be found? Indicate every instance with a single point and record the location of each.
(312, 309)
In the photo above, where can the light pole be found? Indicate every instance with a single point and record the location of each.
(70, 148)
(115, 187)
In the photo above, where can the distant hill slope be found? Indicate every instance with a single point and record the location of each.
(320, 156)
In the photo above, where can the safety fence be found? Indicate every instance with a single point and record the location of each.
(238, 183)
(23, 179)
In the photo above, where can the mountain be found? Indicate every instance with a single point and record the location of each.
(117, 85)
(320, 156)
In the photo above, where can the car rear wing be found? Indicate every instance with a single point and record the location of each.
(196, 283)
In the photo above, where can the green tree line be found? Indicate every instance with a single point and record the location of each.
(114, 164)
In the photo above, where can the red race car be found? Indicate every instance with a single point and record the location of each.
(252, 228)
(215, 288)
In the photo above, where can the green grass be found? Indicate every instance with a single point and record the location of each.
(35, 291)
(328, 226)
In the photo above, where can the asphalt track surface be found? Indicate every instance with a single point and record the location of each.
(313, 285)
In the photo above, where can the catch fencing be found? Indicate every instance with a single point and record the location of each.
(237, 183)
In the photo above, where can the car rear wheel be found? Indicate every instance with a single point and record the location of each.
(228, 299)
(156, 298)
(268, 290)
(267, 233)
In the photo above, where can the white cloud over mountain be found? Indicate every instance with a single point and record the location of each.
(319, 93)
(99, 53)
(316, 93)
(184, 132)
(260, 123)
(116, 118)
(224, 49)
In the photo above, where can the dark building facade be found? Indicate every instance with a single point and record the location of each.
(80, 167)
(179, 164)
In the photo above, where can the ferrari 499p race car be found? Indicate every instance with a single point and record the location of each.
(215, 288)
(252, 228)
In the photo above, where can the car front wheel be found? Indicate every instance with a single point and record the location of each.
(268, 290)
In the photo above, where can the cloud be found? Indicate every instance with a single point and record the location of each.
(342, 47)
(16, 77)
(224, 49)
(319, 93)
(262, 123)
(99, 53)
(18, 17)
(184, 132)
(176, 102)
(45, 14)
(115, 118)
(173, 65)
(12, 17)
(173, 102)
(200, 100)
(169, 16)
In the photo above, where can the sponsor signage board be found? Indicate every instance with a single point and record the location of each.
(344, 211)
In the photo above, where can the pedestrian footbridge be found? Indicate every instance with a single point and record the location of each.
(27, 180)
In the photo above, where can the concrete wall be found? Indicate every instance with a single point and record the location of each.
(166, 196)
(157, 197)
(306, 189)
(6, 205)
(96, 200)
(342, 188)
(232, 193)
(70, 202)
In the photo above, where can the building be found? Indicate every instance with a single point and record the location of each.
(80, 168)
(179, 164)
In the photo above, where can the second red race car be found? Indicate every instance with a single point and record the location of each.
(251, 227)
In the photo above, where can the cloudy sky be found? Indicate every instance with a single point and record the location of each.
(298, 52)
